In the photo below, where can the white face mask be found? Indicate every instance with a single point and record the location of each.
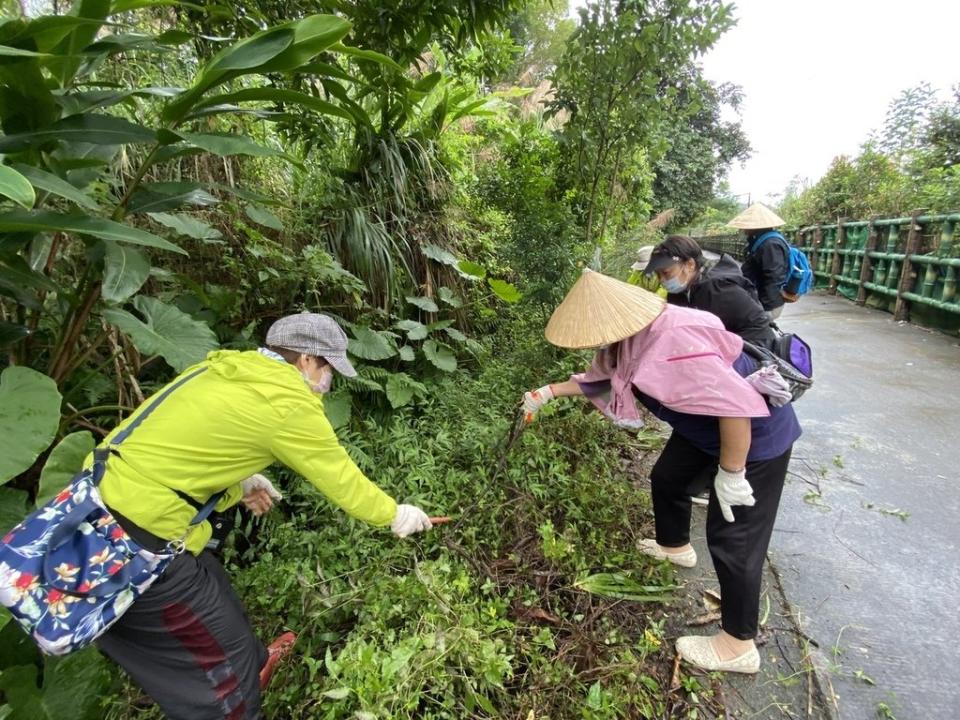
(323, 384)
(674, 285)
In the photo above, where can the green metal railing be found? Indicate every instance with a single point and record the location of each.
(733, 244)
(908, 265)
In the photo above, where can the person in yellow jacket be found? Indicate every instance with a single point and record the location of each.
(639, 275)
(187, 641)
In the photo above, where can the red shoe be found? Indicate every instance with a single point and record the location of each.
(276, 651)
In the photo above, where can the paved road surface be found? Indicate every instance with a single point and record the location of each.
(867, 540)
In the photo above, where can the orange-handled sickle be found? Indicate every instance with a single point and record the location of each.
(442, 520)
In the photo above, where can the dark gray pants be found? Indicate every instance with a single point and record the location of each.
(188, 643)
(739, 548)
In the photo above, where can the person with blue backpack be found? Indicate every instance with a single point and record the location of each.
(716, 286)
(780, 272)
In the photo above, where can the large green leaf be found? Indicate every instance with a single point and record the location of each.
(19, 281)
(505, 291)
(74, 103)
(65, 68)
(424, 303)
(51, 183)
(225, 145)
(440, 355)
(471, 269)
(16, 274)
(447, 296)
(399, 393)
(73, 687)
(370, 344)
(166, 331)
(46, 221)
(159, 197)
(312, 35)
(337, 406)
(413, 329)
(278, 49)
(187, 225)
(7, 51)
(65, 461)
(262, 216)
(277, 95)
(435, 252)
(16, 187)
(13, 508)
(29, 418)
(369, 55)
(401, 388)
(125, 270)
(84, 128)
(428, 82)
(121, 42)
(48, 31)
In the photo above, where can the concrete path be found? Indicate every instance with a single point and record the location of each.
(868, 533)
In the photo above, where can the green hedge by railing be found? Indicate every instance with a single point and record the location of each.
(906, 265)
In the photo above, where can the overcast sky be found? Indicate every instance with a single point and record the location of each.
(818, 76)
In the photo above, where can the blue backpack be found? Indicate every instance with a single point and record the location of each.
(799, 277)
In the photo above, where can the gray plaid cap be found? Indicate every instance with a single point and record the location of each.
(313, 334)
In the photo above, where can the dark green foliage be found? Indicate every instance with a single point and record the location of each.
(701, 146)
(613, 86)
(544, 245)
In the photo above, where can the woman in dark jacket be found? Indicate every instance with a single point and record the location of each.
(721, 289)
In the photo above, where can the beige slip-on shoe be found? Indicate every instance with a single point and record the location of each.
(687, 558)
(698, 650)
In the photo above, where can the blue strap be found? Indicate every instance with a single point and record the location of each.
(204, 512)
(125, 433)
(755, 245)
(101, 454)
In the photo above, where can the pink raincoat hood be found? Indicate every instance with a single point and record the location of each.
(683, 359)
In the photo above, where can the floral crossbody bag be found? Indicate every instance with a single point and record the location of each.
(68, 571)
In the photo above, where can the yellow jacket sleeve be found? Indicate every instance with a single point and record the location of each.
(305, 442)
(231, 496)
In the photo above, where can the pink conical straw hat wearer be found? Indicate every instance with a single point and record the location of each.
(600, 310)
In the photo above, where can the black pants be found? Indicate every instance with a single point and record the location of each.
(188, 643)
(739, 548)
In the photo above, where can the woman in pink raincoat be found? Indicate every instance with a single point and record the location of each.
(688, 371)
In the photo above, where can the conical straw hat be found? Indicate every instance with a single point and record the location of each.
(600, 310)
(757, 217)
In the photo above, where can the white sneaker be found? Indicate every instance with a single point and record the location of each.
(698, 650)
(687, 558)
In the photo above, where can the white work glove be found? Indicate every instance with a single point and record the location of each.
(732, 488)
(769, 382)
(408, 520)
(534, 400)
(259, 494)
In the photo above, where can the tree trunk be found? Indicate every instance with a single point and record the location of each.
(613, 181)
